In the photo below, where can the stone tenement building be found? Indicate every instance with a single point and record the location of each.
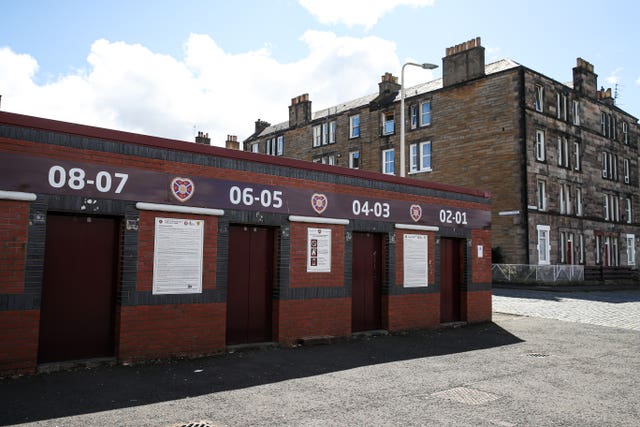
(560, 159)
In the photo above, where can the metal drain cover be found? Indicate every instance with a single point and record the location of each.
(537, 355)
(194, 424)
(466, 395)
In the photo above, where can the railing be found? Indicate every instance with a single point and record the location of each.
(522, 273)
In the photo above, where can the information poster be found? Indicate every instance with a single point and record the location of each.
(177, 260)
(319, 250)
(416, 260)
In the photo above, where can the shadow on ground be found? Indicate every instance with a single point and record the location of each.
(62, 394)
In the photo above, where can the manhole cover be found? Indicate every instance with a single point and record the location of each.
(537, 355)
(466, 395)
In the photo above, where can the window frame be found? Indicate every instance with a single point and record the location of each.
(563, 152)
(561, 106)
(544, 230)
(541, 195)
(579, 204)
(354, 155)
(413, 116)
(425, 117)
(541, 154)
(626, 170)
(417, 157)
(387, 123)
(625, 133)
(354, 126)
(576, 112)
(577, 157)
(386, 162)
(631, 249)
(538, 98)
(316, 135)
(629, 210)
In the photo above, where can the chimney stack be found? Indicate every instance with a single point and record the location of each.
(585, 81)
(605, 96)
(203, 138)
(232, 142)
(462, 62)
(260, 126)
(388, 84)
(299, 111)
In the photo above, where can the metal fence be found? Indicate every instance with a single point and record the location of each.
(537, 273)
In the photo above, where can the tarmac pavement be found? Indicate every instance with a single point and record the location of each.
(516, 371)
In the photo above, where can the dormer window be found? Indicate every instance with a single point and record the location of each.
(388, 123)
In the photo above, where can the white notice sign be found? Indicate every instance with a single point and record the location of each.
(416, 260)
(177, 260)
(319, 250)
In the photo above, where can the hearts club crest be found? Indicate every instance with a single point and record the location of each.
(319, 202)
(416, 212)
(182, 188)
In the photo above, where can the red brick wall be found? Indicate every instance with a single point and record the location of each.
(19, 341)
(14, 224)
(477, 306)
(481, 267)
(146, 234)
(161, 331)
(299, 277)
(313, 317)
(412, 311)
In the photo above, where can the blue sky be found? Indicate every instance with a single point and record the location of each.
(172, 68)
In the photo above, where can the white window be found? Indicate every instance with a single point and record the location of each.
(561, 101)
(631, 249)
(540, 152)
(579, 210)
(576, 112)
(565, 199)
(413, 115)
(354, 126)
(615, 253)
(580, 249)
(354, 160)
(388, 165)
(271, 147)
(280, 146)
(420, 157)
(332, 132)
(317, 135)
(627, 177)
(607, 208)
(387, 122)
(425, 113)
(542, 195)
(255, 148)
(625, 133)
(603, 123)
(577, 159)
(563, 152)
(544, 246)
(629, 210)
(538, 100)
(598, 248)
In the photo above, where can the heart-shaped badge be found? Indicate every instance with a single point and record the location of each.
(319, 202)
(416, 212)
(182, 188)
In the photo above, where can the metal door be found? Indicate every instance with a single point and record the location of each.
(78, 291)
(451, 276)
(366, 282)
(250, 281)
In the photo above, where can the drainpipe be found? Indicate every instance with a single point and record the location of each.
(525, 175)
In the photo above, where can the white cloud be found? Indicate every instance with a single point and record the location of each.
(131, 88)
(614, 77)
(365, 13)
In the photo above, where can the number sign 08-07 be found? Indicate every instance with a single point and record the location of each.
(77, 179)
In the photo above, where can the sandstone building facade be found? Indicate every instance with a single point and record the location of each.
(561, 160)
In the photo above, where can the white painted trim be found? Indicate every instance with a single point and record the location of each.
(17, 195)
(417, 227)
(318, 220)
(508, 213)
(143, 206)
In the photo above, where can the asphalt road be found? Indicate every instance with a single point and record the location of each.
(516, 371)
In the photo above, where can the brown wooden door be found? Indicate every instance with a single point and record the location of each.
(250, 281)
(366, 282)
(78, 290)
(451, 275)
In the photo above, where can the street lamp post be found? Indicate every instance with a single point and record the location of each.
(402, 150)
